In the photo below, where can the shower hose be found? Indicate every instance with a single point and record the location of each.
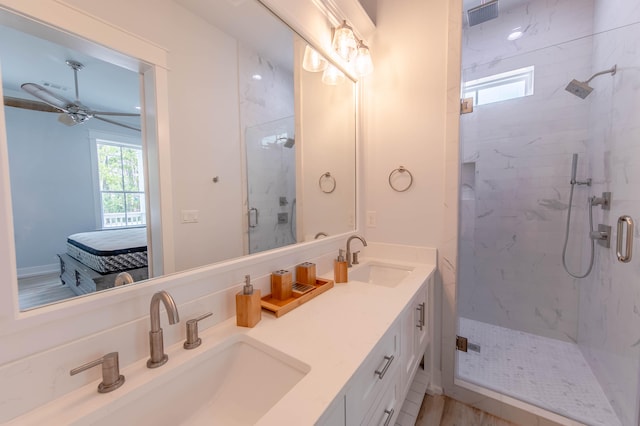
(566, 237)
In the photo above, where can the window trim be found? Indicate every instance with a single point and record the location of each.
(95, 137)
(525, 74)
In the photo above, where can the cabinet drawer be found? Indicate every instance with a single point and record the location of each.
(380, 368)
(386, 409)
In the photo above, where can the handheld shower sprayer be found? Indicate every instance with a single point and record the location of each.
(573, 182)
(574, 168)
(574, 171)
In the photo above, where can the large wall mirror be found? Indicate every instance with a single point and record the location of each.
(262, 152)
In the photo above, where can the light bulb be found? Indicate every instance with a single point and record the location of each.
(332, 76)
(344, 42)
(313, 61)
(363, 65)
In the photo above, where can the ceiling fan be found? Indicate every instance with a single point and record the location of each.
(74, 112)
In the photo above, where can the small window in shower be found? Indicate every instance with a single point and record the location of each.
(500, 87)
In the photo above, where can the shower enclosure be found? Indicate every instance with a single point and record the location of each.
(271, 184)
(534, 332)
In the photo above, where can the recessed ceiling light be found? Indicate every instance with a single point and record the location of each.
(257, 77)
(138, 108)
(516, 33)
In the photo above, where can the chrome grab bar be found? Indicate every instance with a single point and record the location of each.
(253, 209)
(626, 258)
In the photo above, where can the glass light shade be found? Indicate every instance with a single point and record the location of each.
(363, 65)
(344, 42)
(313, 61)
(332, 76)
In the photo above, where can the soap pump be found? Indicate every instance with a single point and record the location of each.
(248, 306)
(340, 268)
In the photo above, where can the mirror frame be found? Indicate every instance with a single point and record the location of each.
(44, 326)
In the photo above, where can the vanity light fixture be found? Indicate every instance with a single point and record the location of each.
(362, 64)
(332, 76)
(313, 61)
(344, 42)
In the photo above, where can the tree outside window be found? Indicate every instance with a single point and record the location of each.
(121, 184)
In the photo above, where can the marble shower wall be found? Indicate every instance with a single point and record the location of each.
(514, 206)
(609, 325)
(267, 109)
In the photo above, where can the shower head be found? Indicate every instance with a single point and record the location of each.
(582, 88)
(483, 13)
(579, 88)
(290, 142)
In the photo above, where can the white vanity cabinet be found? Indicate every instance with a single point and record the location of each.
(415, 336)
(375, 393)
(380, 368)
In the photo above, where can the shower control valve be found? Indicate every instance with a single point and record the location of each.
(604, 201)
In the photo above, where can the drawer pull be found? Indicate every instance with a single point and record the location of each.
(420, 308)
(389, 414)
(382, 372)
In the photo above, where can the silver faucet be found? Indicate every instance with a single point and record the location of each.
(349, 259)
(156, 343)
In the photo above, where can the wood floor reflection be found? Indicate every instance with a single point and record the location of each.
(40, 291)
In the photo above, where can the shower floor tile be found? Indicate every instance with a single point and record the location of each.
(545, 372)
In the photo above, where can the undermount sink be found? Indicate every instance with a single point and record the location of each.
(378, 273)
(235, 383)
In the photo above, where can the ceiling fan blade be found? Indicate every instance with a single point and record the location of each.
(106, 120)
(121, 114)
(47, 97)
(29, 104)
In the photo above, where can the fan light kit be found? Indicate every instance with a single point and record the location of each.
(74, 111)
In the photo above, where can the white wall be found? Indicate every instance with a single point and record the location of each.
(405, 122)
(609, 326)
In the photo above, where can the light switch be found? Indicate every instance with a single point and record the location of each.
(190, 216)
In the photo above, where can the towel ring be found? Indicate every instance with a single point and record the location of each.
(400, 170)
(329, 182)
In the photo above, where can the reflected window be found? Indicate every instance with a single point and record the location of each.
(500, 87)
(120, 173)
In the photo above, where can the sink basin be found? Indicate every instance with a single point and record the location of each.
(235, 383)
(383, 274)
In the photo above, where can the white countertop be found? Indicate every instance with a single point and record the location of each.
(332, 334)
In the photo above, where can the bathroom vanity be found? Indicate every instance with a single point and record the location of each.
(346, 357)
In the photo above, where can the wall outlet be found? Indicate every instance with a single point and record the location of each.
(190, 216)
(372, 219)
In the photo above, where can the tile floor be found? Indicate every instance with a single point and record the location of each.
(548, 373)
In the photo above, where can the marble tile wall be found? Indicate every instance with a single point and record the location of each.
(266, 109)
(514, 210)
(609, 325)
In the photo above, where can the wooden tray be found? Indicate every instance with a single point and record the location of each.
(281, 307)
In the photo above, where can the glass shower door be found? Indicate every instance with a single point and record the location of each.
(271, 184)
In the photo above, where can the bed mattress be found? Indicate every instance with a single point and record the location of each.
(110, 250)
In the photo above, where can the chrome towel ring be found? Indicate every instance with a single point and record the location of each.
(327, 183)
(397, 173)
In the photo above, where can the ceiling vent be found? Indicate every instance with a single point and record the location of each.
(483, 13)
